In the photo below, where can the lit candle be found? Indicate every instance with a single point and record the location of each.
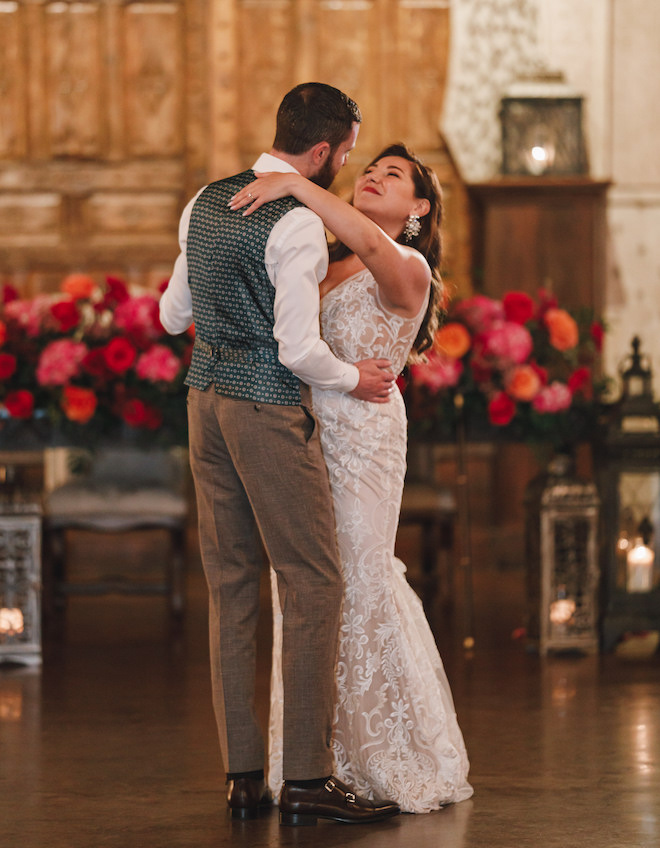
(11, 621)
(639, 564)
(562, 611)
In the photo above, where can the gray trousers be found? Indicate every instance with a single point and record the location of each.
(260, 466)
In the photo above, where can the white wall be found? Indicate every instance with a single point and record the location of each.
(609, 51)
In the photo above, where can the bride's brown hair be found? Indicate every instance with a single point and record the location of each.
(428, 242)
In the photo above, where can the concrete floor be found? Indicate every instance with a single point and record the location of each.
(113, 741)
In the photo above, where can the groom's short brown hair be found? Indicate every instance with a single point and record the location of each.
(313, 112)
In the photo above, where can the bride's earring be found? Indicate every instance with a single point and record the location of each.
(412, 228)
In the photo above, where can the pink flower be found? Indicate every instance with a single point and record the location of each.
(139, 316)
(507, 342)
(60, 361)
(439, 372)
(556, 397)
(479, 312)
(29, 314)
(158, 363)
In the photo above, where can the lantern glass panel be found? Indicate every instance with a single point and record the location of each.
(638, 538)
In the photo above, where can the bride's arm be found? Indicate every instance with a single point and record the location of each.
(401, 272)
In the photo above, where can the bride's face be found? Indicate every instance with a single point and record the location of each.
(385, 192)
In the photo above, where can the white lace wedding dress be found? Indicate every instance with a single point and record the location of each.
(395, 732)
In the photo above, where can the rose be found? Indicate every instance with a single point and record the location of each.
(7, 365)
(596, 332)
(78, 286)
(78, 404)
(9, 293)
(518, 307)
(66, 313)
(119, 355)
(116, 292)
(556, 397)
(580, 381)
(158, 363)
(60, 361)
(20, 404)
(479, 312)
(507, 342)
(3, 332)
(562, 328)
(501, 409)
(139, 316)
(137, 413)
(523, 383)
(453, 340)
(438, 372)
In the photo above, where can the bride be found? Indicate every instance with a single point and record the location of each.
(395, 731)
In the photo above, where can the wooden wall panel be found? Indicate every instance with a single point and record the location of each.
(74, 82)
(154, 78)
(13, 90)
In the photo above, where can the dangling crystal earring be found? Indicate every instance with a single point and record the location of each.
(413, 227)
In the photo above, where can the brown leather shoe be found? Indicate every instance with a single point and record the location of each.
(334, 801)
(246, 796)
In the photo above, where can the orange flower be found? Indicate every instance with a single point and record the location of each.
(523, 383)
(78, 286)
(453, 340)
(78, 404)
(562, 327)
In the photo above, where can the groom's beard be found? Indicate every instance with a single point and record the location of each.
(325, 175)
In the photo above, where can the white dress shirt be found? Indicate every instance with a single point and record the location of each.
(296, 260)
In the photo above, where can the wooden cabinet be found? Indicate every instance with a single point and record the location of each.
(532, 233)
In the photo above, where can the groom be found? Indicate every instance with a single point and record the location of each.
(250, 285)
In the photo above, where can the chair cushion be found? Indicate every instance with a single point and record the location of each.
(88, 499)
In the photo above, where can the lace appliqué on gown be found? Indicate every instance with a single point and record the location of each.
(395, 732)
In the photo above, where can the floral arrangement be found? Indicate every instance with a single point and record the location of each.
(521, 367)
(92, 362)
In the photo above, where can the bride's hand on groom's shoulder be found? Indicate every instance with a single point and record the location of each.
(266, 188)
(376, 380)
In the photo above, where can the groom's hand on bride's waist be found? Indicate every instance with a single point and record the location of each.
(376, 380)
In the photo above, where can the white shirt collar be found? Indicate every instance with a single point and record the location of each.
(268, 162)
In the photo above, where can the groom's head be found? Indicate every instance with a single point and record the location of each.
(317, 127)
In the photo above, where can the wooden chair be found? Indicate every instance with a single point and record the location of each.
(115, 490)
(433, 509)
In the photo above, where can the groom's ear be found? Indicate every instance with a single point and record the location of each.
(319, 153)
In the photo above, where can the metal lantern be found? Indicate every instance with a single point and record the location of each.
(20, 583)
(541, 122)
(562, 559)
(629, 480)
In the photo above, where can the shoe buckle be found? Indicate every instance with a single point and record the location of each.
(350, 798)
(330, 785)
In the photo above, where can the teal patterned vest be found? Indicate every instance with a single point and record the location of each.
(233, 298)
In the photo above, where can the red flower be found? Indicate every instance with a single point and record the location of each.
(66, 313)
(119, 355)
(518, 307)
(3, 332)
(137, 413)
(501, 409)
(162, 286)
(9, 293)
(580, 381)
(78, 404)
(20, 404)
(541, 371)
(95, 363)
(7, 365)
(596, 331)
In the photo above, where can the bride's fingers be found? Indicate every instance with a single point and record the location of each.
(242, 199)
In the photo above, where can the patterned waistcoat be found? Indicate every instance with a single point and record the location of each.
(233, 298)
